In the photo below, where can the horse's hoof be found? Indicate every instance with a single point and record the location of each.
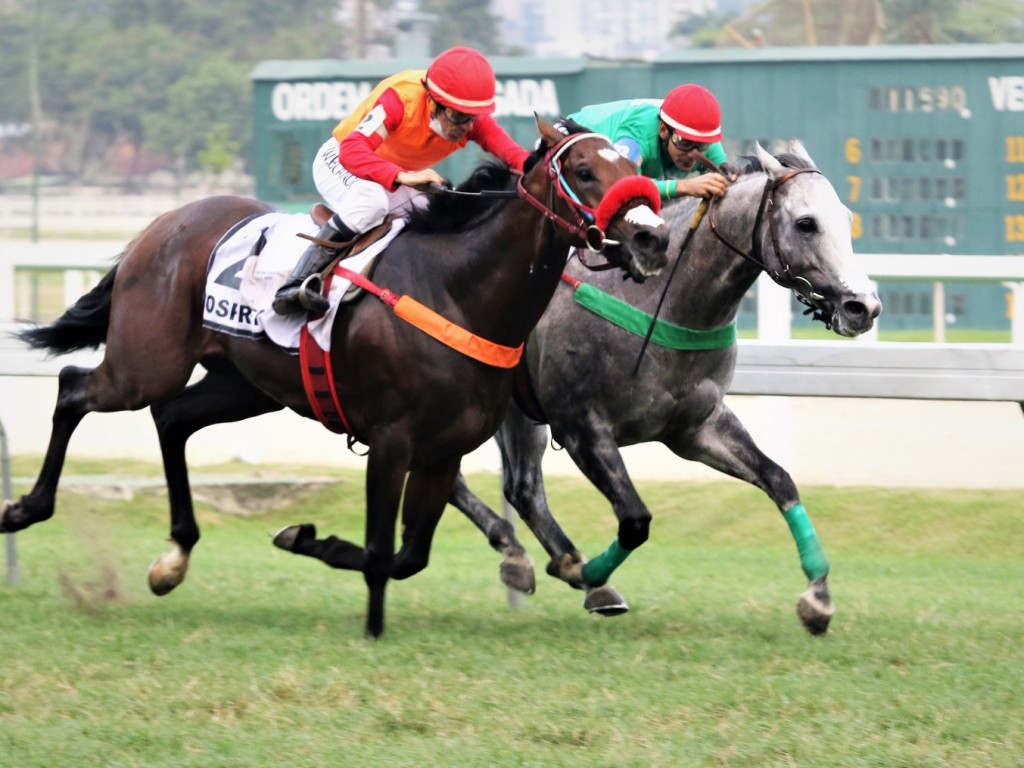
(292, 538)
(517, 574)
(815, 607)
(13, 517)
(168, 571)
(605, 600)
(569, 568)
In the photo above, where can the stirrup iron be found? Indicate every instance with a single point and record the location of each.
(311, 294)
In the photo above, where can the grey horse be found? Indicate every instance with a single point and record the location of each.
(781, 216)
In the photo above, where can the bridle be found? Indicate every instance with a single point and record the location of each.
(590, 233)
(785, 277)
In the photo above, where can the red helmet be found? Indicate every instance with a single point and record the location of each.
(693, 113)
(461, 78)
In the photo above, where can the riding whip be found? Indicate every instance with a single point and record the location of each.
(694, 223)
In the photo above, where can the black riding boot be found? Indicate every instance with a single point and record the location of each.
(302, 291)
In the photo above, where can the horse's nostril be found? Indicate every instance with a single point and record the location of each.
(854, 309)
(862, 309)
(650, 242)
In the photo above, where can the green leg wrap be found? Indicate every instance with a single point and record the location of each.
(597, 571)
(812, 556)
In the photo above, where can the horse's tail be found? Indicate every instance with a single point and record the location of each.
(83, 325)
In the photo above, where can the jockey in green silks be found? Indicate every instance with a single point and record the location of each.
(663, 136)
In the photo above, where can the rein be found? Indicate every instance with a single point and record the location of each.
(591, 234)
(698, 216)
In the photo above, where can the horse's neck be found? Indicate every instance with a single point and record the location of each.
(712, 279)
(506, 277)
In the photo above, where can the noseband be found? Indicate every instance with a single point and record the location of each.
(800, 285)
(591, 233)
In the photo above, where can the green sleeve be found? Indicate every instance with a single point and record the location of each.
(716, 153)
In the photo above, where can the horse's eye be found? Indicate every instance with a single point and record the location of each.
(584, 174)
(807, 225)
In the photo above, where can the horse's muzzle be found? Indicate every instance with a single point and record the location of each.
(855, 314)
(648, 252)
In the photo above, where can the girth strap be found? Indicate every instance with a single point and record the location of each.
(318, 381)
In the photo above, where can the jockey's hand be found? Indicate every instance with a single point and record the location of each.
(705, 185)
(420, 179)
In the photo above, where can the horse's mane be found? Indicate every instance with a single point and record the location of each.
(751, 163)
(747, 165)
(445, 213)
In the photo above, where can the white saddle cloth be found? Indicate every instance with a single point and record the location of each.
(253, 260)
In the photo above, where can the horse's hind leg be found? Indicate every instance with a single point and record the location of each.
(426, 493)
(72, 405)
(723, 443)
(222, 396)
(516, 566)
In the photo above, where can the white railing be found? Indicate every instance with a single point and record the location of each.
(772, 365)
(777, 365)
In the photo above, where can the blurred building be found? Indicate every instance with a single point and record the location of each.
(627, 29)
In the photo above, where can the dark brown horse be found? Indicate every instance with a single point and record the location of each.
(486, 264)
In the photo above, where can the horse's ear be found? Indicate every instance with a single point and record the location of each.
(798, 149)
(548, 133)
(768, 161)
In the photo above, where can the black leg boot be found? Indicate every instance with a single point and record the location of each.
(302, 291)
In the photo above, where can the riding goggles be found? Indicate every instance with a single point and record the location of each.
(685, 145)
(454, 116)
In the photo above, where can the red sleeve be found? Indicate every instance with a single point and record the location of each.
(357, 151)
(489, 134)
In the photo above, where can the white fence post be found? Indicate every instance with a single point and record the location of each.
(6, 287)
(774, 323)
(939, 311)
(1016, 312)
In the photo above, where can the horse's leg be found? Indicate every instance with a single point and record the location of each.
(516, 567)
(723, 443)
(221, 396)
(426, 494)
(592, 447)
(522, 443)
(72, 405)
(334, 552)
(386, 467)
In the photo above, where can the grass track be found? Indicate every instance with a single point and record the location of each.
(258, 659)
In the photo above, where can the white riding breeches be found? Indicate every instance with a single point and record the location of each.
(359, 203)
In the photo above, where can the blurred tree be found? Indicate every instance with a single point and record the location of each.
(702, 30)
(159, 74)
(212, 101)
(171, 76)
(953, 21)
(463, 22)
(917, 21)
(220, 150)
(872, 22)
